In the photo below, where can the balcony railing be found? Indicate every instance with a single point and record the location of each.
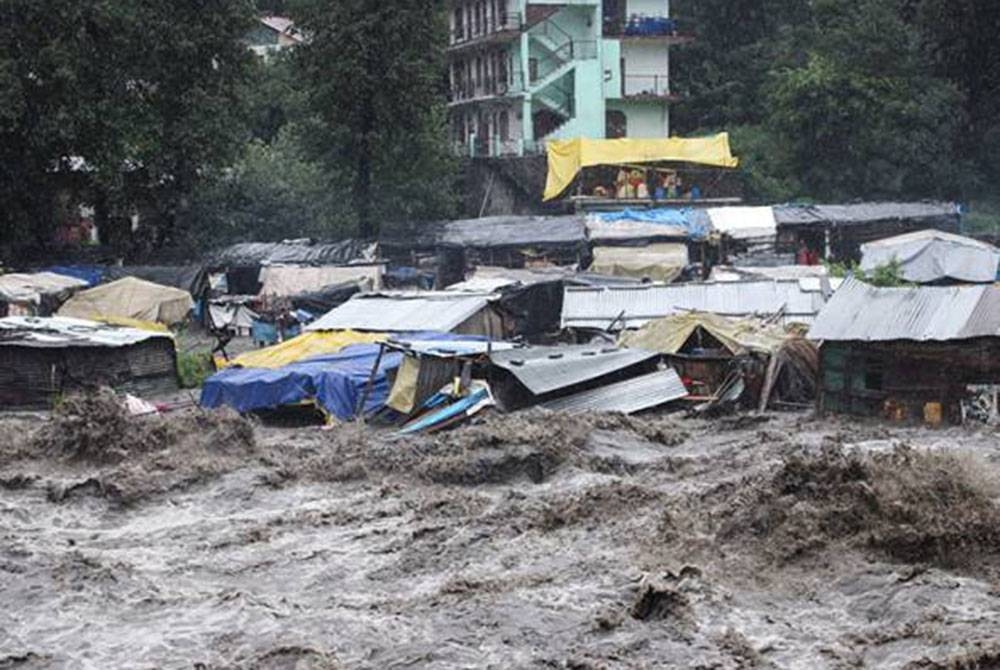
(506, 22)
(639, 26)
(488, 88)
(646, 86)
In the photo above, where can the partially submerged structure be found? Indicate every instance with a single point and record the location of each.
(775, 366)
(933, 256)
(43, 358)
(538, 375)
(620, 308)
(907, 352)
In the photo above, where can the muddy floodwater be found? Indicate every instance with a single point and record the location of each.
(528, 541)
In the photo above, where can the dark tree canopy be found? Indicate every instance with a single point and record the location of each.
(374, 71)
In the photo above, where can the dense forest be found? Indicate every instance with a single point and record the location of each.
(846, 99)
(158, 113)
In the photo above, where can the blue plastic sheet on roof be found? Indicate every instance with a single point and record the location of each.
(695, 222)
(335, 382)
(92, 274)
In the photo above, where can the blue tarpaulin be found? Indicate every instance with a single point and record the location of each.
(335, 382)
(694, 221)
(92, 274)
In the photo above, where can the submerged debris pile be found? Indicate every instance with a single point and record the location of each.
(910, 505)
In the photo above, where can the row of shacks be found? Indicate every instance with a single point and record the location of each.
(611, 312)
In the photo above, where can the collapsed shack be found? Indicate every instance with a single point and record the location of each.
(581, 377)
(925, 353)
(836, 232)
(763, 364)
(44, 358)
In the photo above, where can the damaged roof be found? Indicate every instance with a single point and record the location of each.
(58, 332)
(598, 308)
(545, 369)
(438, 311)
(860, 312)
(627, 397)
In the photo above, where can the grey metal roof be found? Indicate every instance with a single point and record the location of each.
(627, 397)
(867, 212)
(860, 312)
(57, 332)
(506, 231)
(384, 312)
(800, 301)
(545, 369)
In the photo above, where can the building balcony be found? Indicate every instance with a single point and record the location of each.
(647, 87)
(493, 30)
(661, 29)
(466, 93)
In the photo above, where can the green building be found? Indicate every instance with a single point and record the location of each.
(524, 72)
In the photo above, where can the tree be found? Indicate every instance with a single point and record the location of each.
(131, 101)
(273, 192)
(374, 73)
(863, 117)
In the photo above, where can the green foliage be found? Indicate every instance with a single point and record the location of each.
(883, 276)
(847, 99)
(143, 92)
(376, 90)
(193, 368)
(273, 192)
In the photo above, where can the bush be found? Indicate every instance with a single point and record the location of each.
(193, 368)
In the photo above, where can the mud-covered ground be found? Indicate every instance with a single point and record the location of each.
(526, 541)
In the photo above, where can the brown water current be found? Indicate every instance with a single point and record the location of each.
(526, 541)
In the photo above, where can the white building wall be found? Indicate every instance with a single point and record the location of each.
(647, 68)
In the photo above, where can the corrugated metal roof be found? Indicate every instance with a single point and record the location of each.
(545, 369)
(627, 397)
(860, 312)
(866, 212)
(800, 301)
(403, 312)
(58, 332)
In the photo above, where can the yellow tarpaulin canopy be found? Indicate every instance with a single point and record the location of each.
(302, 347)
(739, 336)
(568, 157)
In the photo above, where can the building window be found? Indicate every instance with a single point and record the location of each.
(616, 125)
(504, 126)
(458, 32)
